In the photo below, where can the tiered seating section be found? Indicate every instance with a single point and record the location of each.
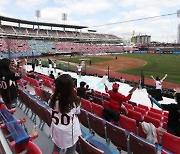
(99, 134)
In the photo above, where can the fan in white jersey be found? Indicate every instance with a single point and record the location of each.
(158, 81)
(65, 105)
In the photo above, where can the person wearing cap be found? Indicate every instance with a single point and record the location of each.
(8, 78)
(117, 98)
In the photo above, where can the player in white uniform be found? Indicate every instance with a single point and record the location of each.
(158, 81)
(65, 105)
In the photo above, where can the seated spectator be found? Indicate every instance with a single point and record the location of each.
(31, 74)
(51, 75)
(81, 91)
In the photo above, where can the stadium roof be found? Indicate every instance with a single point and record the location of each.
(19, 21)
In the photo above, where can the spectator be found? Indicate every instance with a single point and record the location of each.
(117, 98)
(65, 126)
(51, 75)
(173, 124)
(33, 64)
(79, 67)
(40, 63)
(8, 78)
(122, 79)
(81, 91)
(50, 63)
(158, 81)
(54, 65)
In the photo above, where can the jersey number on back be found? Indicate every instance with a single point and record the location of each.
(65, 119)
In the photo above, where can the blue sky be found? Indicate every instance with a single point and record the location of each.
(98, 12)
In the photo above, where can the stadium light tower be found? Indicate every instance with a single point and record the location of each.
(64, 17)
(38, 14)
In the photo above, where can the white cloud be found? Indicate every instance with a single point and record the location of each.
(3, 5)
(150, 3)
(29, 4)
(83, 7)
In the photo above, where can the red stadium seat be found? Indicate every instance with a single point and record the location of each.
(85, 104)
(155, 115)
(127, 123)
(154, 121)
(33, 148)
(128, 106)
(171, 142)
(138, 109)
(156, 110)
(97, 125)
(87, 148)
(143, 107)
(139, 145)
(135, 115)
(117, 136)
(97, 109)
(83, 118)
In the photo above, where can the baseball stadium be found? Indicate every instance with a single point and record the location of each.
(100, 61)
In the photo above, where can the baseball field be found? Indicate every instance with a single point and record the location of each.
(150, 64)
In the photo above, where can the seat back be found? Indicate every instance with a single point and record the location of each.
(83, 118)
(154, 121)
(87, 148)
(97, 125)
(171, 142)
(156, 110)
(85, 104)
(139, 145)
(128, 123)
(97, 109)
(155, 115)
(33, 148)
(143, 107)
(117, 135)
(128, 106)
(141, 110)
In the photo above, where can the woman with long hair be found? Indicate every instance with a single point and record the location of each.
(65, 105)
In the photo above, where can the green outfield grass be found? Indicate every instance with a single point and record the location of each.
(157, 65)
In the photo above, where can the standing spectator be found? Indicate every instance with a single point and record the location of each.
(158, 81)
(117, 98)
(79, 67)
(50, 63)
(173, 124)
(54, 65)
(40, 63)
(51, 75)
(65, 126)
(8, 78)
(33, 64)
